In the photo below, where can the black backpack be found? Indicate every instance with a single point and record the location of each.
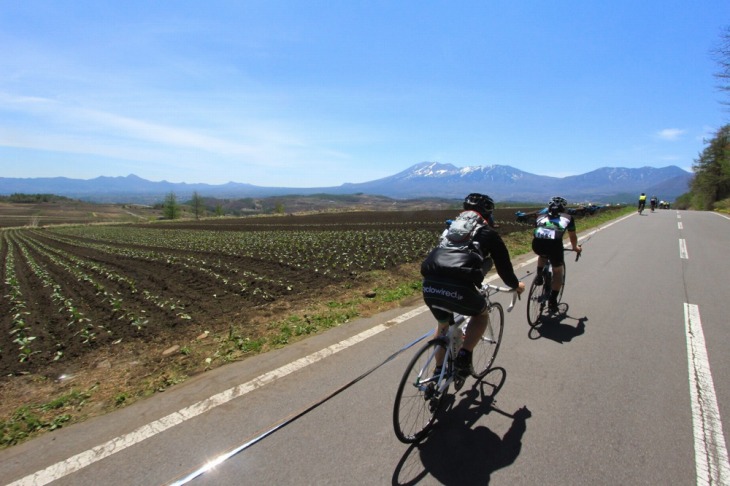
(457, 255)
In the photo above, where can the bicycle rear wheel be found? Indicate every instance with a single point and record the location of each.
(486, 349)
(417, 399)
(535, 303)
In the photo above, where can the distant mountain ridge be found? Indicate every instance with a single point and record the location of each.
(423, 180)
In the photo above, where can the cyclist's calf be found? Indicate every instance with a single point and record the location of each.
(557, 277)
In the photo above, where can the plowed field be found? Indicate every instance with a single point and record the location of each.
(71, 290)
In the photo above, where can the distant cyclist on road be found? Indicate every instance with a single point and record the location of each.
(547, 243)
(653, 202)
(453, 273)
(642, 202)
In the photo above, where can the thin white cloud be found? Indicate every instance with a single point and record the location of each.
(96, 132)
(166, 135)
(94, 121)
(10, 100)
(671, 134)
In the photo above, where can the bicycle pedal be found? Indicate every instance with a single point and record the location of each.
(430, 392)
(459, 382)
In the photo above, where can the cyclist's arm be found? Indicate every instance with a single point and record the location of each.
(500, 255)
(573, 237)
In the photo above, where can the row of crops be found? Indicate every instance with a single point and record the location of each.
(66, 290)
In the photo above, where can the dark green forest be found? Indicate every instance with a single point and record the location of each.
(33, 198)
(710, 188)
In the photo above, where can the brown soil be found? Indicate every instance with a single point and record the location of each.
(122, 362)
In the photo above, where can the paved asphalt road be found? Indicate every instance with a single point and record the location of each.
(629, 386)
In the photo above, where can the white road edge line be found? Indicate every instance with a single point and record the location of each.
(86, 458)
(711, 458)
(83, 459)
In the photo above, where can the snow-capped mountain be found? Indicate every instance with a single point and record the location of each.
(426, 179)
(505, 183)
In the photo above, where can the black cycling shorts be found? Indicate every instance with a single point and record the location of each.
(552, 249)
(444, 297)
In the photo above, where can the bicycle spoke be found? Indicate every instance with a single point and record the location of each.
(562, 287)
(486, 349)
(535, 304)
(417, 399)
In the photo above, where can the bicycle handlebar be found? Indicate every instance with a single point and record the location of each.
(579, 253)
(496, 288)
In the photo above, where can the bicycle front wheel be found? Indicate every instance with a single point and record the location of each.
(417, 399)
(486, 349)
(535, 303)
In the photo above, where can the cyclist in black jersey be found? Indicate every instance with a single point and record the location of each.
(547, 243)
(454, 271)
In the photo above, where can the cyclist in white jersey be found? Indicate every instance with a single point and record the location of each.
(547, 243)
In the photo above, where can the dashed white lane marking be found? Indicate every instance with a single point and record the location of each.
(83, 459)
(683, 249)
(679, 225)
(711, 457)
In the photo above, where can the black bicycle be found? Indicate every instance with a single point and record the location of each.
(539, 295)
(421, 390)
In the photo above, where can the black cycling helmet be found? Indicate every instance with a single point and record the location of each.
(557, 204)
(481, 203)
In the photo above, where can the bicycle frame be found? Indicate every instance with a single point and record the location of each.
(420, 393)
(460, 322)
(446, 377)
(538, 298)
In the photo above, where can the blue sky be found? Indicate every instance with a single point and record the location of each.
(319, 93)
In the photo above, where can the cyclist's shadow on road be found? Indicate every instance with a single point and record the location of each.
(559, 327)
(456, 452)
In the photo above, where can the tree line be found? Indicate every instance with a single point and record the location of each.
(198, 207)
(172, 209)
(19, 197)
(710, 187)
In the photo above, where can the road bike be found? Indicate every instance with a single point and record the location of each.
(539, 295)
(421, 391)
